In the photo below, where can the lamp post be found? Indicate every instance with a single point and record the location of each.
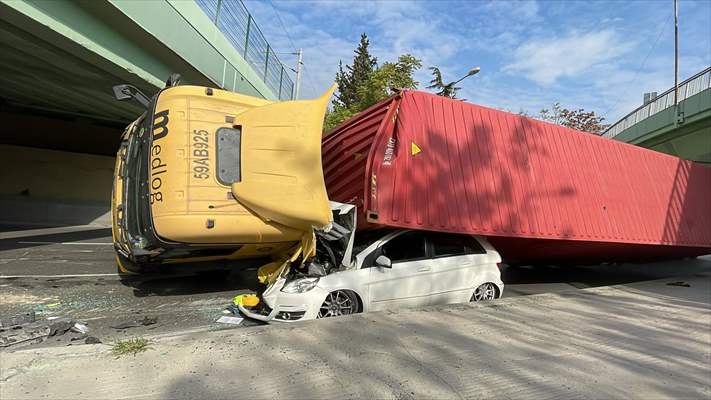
(471, 72)
(299, 53)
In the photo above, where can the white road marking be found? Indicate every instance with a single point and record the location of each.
(69, 243)
(50, 231)
(53, 276)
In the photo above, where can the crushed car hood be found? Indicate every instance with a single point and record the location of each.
(335, 243)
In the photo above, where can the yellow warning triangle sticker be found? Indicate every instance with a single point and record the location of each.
(415, 149)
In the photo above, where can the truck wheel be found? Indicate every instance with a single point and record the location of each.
(484, 292)
(337, 303)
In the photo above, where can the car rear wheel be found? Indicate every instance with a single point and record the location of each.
(484, 292)
(337, 303)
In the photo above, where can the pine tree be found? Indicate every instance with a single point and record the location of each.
(445, 90)
(355, 75)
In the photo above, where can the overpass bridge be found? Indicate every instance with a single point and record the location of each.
(683, 130)
(60, 58)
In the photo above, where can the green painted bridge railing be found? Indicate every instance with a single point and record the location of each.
(694, 85)
(236, 23)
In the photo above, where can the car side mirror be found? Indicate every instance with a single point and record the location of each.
(383, 261)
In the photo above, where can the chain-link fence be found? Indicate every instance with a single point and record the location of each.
(236, 23)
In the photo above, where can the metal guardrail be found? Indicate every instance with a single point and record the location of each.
(236, 23)
(688, 88)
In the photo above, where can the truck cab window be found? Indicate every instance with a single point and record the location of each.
(406, 247)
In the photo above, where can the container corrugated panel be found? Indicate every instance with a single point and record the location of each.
(346, 150)
(426, 162)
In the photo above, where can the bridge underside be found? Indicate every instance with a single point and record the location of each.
(684, 131)
(61, 125)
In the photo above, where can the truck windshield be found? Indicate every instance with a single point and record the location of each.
(131, 174)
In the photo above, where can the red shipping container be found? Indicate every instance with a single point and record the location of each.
(540, 192)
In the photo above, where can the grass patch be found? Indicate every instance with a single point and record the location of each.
(131, 346)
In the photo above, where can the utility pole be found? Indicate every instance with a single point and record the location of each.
(298, 73)
(676, 52)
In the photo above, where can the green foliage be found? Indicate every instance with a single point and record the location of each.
(586, 121)
(364, 83)
(336, 116)
(131, 346)
(360, 71)
(387, 80)
(444, 90)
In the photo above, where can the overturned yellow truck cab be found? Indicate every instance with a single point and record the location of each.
(207, 175)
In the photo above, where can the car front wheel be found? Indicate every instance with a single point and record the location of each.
(337, 303)
(484, 292)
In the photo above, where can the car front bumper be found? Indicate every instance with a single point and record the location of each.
(287, 307)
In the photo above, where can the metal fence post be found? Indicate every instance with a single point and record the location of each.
(217, 13)
(281, 78)
(266, 64)
(246, 37)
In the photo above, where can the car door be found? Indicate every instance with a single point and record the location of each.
(456, 261)
(407, 282)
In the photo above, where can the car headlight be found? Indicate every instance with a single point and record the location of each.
(300, 285)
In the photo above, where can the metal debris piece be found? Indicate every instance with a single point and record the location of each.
(80, 328)
(145, 321)
(92, 340)
(34, 332)
(230, 320)
(232, 309)
(60, 325)
(678, 283)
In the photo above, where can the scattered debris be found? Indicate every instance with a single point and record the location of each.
(80, 328)
(678, 283)
(18, 320)
(134, 324)
(232, 309)
(45, 308)
(92, 340)
(34, 331)
(230, 320)
(131, 346)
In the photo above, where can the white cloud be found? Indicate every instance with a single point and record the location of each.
(545, 60)
(532, 54)
(394, 28)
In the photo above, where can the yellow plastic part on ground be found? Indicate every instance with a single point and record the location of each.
(246, 300)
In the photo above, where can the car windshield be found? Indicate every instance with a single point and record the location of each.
(363, 239)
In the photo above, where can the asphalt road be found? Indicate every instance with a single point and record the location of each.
(71, 272)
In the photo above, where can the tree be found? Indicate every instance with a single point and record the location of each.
(445, 90)
(586, 121)
(364, 83)
(360, 71)
(388, 79)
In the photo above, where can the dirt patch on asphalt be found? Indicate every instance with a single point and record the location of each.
(23, 298)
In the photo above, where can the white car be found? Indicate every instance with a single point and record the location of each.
(402, 268)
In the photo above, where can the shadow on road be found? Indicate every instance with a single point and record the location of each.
(192, 283)
(65, 237)
(604, 274)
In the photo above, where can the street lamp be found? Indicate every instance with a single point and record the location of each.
(471, 72)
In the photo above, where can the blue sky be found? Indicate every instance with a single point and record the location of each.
(597, 55)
